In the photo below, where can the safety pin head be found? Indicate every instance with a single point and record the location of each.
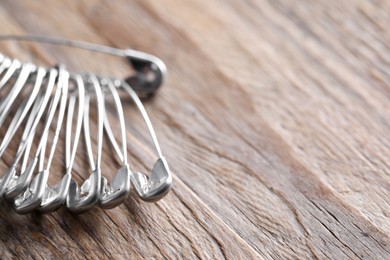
(32, 197)
(54, 198)
(151, 72)
(156, 186)
(85, 197)
(18, 184)
(114, 194)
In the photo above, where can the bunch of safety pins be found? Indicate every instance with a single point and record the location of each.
(35, 96)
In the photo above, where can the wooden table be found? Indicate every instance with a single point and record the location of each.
(274, 119)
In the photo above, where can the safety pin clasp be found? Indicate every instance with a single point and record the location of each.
(156, 186)
(150, 72)
(114, 194)
(83, 198)
(18, 184)
(54, 198)
(31, 198)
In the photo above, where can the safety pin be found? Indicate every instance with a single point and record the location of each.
(55, 197)
(150, 70)
(19, 185)
(35, 115)
(159, 183)
(32, 198)
(24, 143)
(85, 197)
(29, 199)
(114, 194)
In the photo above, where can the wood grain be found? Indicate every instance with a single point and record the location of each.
(274, 119)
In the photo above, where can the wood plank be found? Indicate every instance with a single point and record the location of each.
(274, 119)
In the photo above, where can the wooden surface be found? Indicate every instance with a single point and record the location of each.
(274, 119)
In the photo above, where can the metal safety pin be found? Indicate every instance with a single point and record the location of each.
(35, 115)
(114, 194)
(18, 185)
(32, 198)
(85, 197)
(9, 177)
(25, 144)
(159, 183)
(55, 197)
(29, 199)
(150, 70)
